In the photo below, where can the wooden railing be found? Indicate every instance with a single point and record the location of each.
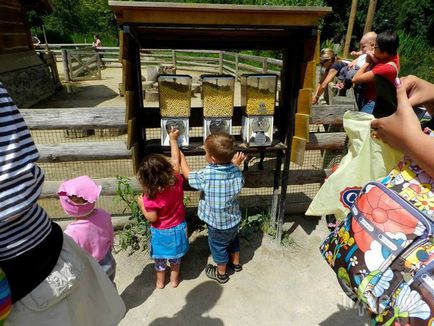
(114, 118)
(207, 61)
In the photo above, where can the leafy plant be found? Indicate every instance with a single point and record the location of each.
(136, 232)
(252, 224)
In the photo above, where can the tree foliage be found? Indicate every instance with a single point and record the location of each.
(414, 17)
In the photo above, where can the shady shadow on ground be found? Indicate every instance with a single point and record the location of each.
(83, 96)
(140, 289)
(196, 258)
(356, 316)
(198, 302)
(307, 223)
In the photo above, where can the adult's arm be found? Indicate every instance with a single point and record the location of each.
(419, 91)
(402, 131)
(323, 84)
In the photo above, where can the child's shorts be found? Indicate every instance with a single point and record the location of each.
(223, 242)
(161, 264)
(169, 243)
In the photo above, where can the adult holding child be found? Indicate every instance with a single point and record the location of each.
(384, 62)
(52, 281)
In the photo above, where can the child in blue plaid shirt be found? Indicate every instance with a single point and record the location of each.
(220, 183)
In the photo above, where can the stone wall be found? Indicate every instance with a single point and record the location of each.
(27, 79)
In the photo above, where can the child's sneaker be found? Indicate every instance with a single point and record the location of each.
(212, 272)
(235, 267)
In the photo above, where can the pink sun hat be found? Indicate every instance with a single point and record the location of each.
(83, 187)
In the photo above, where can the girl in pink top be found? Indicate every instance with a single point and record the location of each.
(92, 229)
(163, 206)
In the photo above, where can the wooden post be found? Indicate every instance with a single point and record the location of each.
(350, 28)
(236, 66)
(370, 16)
(220, 62)
(264, 65)
(66, 70)
(174, 59)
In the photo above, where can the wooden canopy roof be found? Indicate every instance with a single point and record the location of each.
(215, 26)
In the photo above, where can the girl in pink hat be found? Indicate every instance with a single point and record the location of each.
(92, 229)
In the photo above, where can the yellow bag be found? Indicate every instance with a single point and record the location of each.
(367, 160)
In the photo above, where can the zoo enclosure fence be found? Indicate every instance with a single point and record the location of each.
(96, 144)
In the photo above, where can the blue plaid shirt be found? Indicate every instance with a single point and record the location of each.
(220, 185)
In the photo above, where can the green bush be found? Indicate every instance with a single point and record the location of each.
(416, 57)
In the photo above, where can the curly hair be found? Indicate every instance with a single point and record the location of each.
(155, 174)
(221, 146)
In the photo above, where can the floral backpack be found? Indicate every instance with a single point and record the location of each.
(383, 252)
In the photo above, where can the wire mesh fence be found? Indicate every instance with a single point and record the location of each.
(250, 197)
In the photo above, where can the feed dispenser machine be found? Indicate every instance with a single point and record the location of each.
(218, 103)
(258, 100)
(175, 106)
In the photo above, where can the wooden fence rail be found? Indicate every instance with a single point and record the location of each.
(208, 61)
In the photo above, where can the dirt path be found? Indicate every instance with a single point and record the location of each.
(278, 286)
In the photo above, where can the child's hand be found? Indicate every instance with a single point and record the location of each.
(173, 134)
(339, 85)
(238, 158)
(139, 200)
(371, 58)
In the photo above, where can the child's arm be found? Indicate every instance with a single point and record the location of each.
(238, 158)
(185, 169)
(150, 216)
(362, 75)
(174, 149)
(356, 53)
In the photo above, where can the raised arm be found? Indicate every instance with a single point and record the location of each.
(238, 158)
(402, 131)
(174, 149)
(185, 169)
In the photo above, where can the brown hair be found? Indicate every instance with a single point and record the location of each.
(220, 145)
(155, 174)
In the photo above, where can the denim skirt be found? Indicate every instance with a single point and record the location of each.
(169, 243)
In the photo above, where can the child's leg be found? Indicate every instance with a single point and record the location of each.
(234, 252)
(175, 265)
(160, 269)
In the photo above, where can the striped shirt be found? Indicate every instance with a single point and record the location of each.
(220, 186)
(23, 224)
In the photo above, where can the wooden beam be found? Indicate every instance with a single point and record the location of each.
(89, 151)
(89, 118)
(253, 179)
(304, 101)
(370, 16)
(114, 117)
(329, 114)
(350, 28)
(116, 150)
(212, 14)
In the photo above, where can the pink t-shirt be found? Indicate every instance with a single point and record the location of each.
(93, 234)
(169, 205)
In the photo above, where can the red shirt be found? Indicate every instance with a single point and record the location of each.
(169, 205)
(382, 68)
